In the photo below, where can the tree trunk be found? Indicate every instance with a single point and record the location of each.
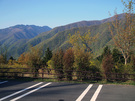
(126, 61)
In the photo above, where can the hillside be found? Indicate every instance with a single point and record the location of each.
(60, 39)
(12, 34)
(57, 37)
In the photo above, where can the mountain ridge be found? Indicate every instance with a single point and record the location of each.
(56, 37)
(18, 32)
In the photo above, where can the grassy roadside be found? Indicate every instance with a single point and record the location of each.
(129, 82)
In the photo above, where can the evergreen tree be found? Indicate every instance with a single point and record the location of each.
(47, 57)
(11, 58)
(107, 51)
(117, 56)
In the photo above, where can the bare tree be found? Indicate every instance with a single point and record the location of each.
(123, 32)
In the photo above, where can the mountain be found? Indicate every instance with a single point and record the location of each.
(57, 37)
(60, 39)
(12, 34)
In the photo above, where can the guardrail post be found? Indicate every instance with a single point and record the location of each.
(97, 76)
(22, 74)
(42, 73)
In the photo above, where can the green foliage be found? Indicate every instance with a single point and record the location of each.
(133, 62)
(106, 52)
(3, 54)
(117, 56)
(82, 64)
(47, 57)
(82, 41)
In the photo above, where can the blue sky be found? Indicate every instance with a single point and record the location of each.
(55, 13)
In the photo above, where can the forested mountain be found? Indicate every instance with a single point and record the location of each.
(57, 37)
(18, 32)
(60, 39)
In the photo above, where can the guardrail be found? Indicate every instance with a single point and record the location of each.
(63, 75)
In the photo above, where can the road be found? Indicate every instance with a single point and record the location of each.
(52, 91)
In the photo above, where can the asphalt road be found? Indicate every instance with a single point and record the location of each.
(52, 91)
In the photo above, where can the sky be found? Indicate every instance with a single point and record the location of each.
(54, 13)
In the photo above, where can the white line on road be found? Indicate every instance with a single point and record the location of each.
(84, 93)
(30, 92)
(20, 91)
(96, 93)
(3, 82)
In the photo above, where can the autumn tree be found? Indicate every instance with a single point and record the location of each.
(107, 62)
(32, 59)
(82, 41)
(21, 59)
(57, 60)
(68, 61)
(122, 31)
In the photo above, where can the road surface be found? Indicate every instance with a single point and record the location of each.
(52, 91)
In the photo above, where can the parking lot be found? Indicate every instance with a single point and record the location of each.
(53, 91)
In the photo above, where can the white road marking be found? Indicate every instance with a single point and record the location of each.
(84, 93)
(3, 82)
(96, 93)
(30, 92)
(20, 91)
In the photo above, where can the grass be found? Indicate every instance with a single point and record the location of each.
(129, 82)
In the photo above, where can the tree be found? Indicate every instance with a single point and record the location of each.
(58, 64)
(21, 59)
(133, 62)
(11, 58)
(3, 54)
(82, 41)
(47, 57)
(11, 61)
(82, 64)
(107, 51)
(117, 56)
(107, 63)
(2, 60)
(122, 31)
(68, 61)
(32, 59)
